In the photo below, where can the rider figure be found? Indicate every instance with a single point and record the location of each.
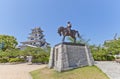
(69, 27)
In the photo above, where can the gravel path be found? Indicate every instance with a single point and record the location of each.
(19, 71)
(112, 69)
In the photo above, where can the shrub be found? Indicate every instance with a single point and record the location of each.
(37, 60)
(16, 60)
(110, 58)
(104, 58)
(41, 60)
(3, 60)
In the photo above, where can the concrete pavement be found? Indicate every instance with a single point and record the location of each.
(111, 68)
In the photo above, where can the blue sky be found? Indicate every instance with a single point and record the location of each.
(97, 20)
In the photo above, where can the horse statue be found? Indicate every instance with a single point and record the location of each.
(63, 31)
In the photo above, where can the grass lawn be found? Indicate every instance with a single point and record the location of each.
(91, 72)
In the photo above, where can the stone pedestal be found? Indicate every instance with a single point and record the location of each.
(65, 56)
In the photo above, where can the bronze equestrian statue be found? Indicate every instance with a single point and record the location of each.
(68, 32)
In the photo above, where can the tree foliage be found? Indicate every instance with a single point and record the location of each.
(9, 42)
(113, 46)
(9, 52)
(14, 55)
(107, 50)
(39, 55)
(99, 53)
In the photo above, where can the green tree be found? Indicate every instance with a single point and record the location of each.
(113, 46)
(9, 42)
(40, 55)
(100, 53)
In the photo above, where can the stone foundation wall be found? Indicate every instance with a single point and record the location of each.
(67, 56)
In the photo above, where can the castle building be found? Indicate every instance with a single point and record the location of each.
(35, 39)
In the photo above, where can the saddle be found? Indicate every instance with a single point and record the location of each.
(68, 30)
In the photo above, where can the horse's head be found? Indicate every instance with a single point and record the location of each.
(60, 29)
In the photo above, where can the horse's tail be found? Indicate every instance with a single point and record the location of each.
(78, 34)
